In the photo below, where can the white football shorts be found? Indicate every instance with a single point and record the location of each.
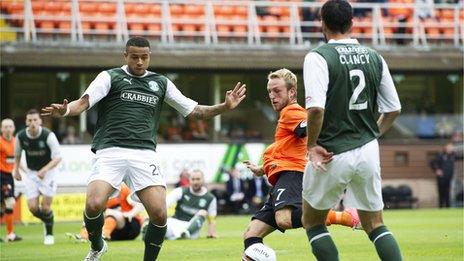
(35, 186)
(175, 227)
(357, 171)
(137, 168)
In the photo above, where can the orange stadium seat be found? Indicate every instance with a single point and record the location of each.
(432, 28)
(47, 26)
(224, 10)
(141, 9)
(447, 14)
(38, 6)
(194, 10)
(154, 9)
(86, 27)
(107, 8)
(241, 10)
(64, 26)
(88, 7)
(15, 7)
(136, 28)
(176, 9)
(285, 25)
(66, 6)
(240, 29)
(154, 29)
(129, 7)
(102, 27)
(53, 6)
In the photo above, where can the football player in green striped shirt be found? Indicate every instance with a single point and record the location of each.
(344, 82)
(129, 100)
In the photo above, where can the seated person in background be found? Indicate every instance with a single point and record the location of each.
(256, 192)
(195, 204)
(184, 179)
(122, 219)
(236, 191)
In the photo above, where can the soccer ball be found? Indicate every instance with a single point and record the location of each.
(260, 252)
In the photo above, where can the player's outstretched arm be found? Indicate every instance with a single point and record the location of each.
(257, 170)
(232, 100)
(67, 109)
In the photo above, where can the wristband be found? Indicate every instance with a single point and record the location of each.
(67, 111)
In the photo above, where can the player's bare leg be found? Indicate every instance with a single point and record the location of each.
(255, 233)
(319, 238)
(385, 244)
(153, 199)
(98, 192)
(288, 218)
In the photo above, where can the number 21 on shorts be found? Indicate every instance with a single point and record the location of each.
(155, 170)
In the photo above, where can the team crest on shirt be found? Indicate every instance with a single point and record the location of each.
(153, 86)
(187, 197)
(41, 144)
(202, 203)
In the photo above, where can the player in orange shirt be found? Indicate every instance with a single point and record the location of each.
(283, 164)
(122, 219)
(7, 142)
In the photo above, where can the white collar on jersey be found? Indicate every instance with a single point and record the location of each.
(344, 41)
(33, 137)
(124, 67)
(201, 193)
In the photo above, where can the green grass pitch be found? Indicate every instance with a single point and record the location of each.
(425, 234)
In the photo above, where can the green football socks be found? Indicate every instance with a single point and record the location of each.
(322, 244)
(48, 220)
(385, 244)
(94, 227)
(154, 238)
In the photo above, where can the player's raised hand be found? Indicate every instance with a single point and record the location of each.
(319, 156)
(17, 175)
(55, 109)
(235, 96)
(257, 171)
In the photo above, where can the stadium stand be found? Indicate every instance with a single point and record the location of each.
(250, 22)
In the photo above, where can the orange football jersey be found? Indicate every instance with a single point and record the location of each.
(7, 154)
(288, 152)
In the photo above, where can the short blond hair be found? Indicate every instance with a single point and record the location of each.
(286, 75)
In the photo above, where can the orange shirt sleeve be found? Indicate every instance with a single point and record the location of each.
(291, 117)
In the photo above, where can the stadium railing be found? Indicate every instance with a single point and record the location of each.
(255, 24)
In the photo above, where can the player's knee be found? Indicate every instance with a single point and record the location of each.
(283, 219)
(158, 218)
(34, 209)
(10, 203)
(284, 223)
(202, 213)
(94, 206)
(46, 209)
